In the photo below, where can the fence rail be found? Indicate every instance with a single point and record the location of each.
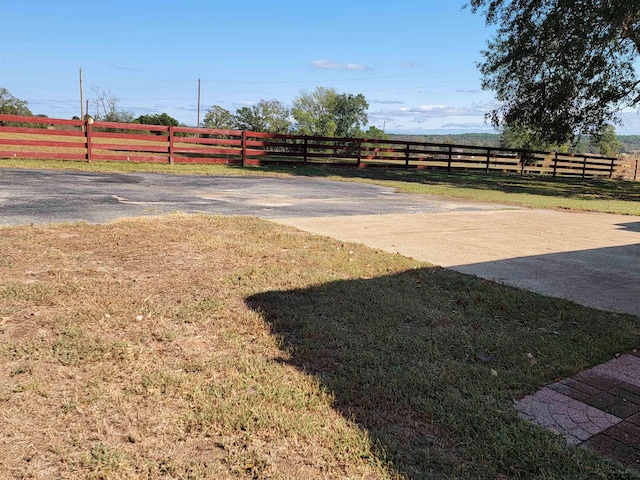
(42, 138)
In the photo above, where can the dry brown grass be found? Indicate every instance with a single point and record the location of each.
(127, 351)
(211, 347)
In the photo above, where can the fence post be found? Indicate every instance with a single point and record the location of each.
(305, 149)
(584, 167)
(171, 134)
(523, 160)
(555, 164)
(406, 156)
(243, 143)
(635, 174)
(449, 158)
(88, 130)
(359, 152)
(488, 160)
(612, 165)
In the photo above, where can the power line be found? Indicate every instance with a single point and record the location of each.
(270, 82)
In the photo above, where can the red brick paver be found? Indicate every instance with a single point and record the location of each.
(598, 409)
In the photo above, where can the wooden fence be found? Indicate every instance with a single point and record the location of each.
(48, 138)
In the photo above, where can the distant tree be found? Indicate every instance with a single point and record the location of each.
(580, 145)
(606, 141)
(41, 125)
(105, 106)
(313, 112)
(519, 136)
(119, 116)
(350, 114)
(248, 118)
(269, 116)
(10, 105)
(629, 142)
(157, 119)
(104, 103)
(375, 133)
(325, 112)
(276, 116)
(561, 67)
(218, 118)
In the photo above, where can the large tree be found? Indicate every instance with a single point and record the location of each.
(561, 67)
(350, 112)
(313, 112)
(269, 116)
(325, 112)
(276, 116)
(606, 141)
(10, 105)
(217, 117)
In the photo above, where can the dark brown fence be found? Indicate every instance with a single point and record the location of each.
(48, 138)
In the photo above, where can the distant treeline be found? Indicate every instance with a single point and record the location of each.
(629, 142)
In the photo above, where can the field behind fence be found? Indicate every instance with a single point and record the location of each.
(77, 140)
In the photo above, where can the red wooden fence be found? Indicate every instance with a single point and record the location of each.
(49, 138)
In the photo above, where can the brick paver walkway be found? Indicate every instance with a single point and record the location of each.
(598, 409)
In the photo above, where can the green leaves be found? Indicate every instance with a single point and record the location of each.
(327, 113)
(313, 112)
(606, 141)
(323, 112)
(266, 116)
(217, 117)
(10, 105)
(561, 67)
(158, 119)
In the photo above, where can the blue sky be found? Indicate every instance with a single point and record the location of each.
(413, 60)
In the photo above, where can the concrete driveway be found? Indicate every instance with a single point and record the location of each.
(590, 258)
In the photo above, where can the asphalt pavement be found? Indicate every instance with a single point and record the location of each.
(590, 258)
(47, 196)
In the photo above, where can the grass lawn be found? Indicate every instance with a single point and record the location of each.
(609, 196)
(214, 347)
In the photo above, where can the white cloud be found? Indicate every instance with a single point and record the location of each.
(387, 102)
(329, 65)
(421, 114)
(406, 65)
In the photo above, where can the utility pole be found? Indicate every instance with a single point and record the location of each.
(81, 102)
(198, 124)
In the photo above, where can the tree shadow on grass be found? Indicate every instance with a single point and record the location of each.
(564, 187)
(428, 362)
